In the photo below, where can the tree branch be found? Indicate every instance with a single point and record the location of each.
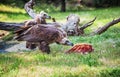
(106, 26)
(87, 24)
(29, 8)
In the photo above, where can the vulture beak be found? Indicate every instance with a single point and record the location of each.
(69, 43)
(48, 17)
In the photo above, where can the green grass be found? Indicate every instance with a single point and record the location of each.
(103, 62)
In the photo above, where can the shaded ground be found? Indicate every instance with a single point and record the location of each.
(12, 46)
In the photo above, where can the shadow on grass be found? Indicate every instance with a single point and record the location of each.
(13, 46)
(4, 46)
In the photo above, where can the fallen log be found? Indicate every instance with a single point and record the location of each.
(10, 26)
(29, 8)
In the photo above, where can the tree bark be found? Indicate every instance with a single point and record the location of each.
(10, 26)
(81, 29)
(29, 8)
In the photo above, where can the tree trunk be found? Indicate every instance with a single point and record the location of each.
(10, 26)
(63, 6)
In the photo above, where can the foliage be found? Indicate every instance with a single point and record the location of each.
(21, 3)
(63, 4)
(14, 2)
(106, 3)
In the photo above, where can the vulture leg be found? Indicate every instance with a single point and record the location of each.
(30, 45)
(44, 47)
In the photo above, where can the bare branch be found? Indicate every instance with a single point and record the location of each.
(29, 8)
(87, 24)
(106, 26)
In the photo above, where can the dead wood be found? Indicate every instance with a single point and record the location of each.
(29, 8)
(81, 29)
(10, 26)
(106, 26)
(87, 24)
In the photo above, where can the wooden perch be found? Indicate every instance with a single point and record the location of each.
(10, 26)
(106, 26)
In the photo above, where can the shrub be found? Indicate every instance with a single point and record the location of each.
(106, 3)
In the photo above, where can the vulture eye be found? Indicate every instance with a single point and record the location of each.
(74, 23)
(44, 14)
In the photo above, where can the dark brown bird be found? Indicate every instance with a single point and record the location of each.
(41, 36)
